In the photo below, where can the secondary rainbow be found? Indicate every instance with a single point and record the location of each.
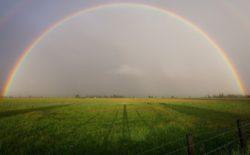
(12, 75)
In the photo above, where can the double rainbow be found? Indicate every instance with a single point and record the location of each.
(12, 75)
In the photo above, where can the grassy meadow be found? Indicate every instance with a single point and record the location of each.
(117, 125)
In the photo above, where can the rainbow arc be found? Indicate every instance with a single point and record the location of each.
(12, 75)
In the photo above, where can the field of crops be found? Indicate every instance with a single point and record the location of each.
(117, 126)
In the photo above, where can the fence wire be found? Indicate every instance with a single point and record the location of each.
(200, 142)
(228, 131)
(163, 145)
(222, 146)
(179, 149)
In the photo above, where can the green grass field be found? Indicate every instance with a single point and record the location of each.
(116, 126)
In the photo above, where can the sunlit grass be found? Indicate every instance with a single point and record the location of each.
(100, 125)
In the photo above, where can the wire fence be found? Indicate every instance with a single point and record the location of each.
(225, 141)
(223, 147)
(228, 141)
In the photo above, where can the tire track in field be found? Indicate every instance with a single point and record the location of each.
(106, 137)
(126, 134)
(109, 124)
(90, 119)
(125, 128)
(159, 114)
(85, 123)
(9, 113)
(151, 127)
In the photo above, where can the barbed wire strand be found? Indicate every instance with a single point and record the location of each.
(218, 135)
(222, 146)
(165, 144)
(177, 150)
(245, 125)
(209, 139)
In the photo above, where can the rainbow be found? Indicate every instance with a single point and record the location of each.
(13, 72)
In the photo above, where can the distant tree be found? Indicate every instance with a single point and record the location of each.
(116, 96)
(77, 96)
(221, 95)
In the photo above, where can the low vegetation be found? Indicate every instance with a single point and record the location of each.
(118, 125)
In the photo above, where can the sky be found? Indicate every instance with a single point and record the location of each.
(124, 49)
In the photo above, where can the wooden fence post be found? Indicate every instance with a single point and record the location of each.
(242, 138)
(190, 144)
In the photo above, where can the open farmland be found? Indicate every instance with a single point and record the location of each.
(118, 126)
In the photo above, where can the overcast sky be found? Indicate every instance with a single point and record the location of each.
(124, 49)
